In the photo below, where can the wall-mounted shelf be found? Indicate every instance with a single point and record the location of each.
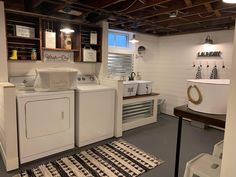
(24, 38)
(24, 45)
(16, 42)
(60, 49)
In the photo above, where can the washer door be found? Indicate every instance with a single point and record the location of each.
(46, 117)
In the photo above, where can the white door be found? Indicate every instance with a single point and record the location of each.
(46, 117)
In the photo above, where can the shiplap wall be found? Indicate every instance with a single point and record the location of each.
(28, 68)
(168, 62)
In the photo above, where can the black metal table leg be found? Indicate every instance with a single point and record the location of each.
(178, 147)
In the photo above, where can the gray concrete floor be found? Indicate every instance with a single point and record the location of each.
(158, 139)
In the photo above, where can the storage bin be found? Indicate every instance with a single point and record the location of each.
(55, 79)
(204, 165)
(218, 149)
(89, 55)
(129, 88)
(144, 87)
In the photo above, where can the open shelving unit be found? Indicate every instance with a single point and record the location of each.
(80, 39)
(23, 45)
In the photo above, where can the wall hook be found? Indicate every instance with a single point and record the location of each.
(223, 64)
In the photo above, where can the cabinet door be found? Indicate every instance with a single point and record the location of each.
(45, 117)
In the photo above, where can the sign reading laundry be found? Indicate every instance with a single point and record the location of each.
(57, 56)
(209, 54)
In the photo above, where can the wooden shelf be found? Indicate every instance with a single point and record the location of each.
(60, 49)
(23, 61)
(89, 62)
(21, 22)
(140, 96)
(98, 45)
(19, 37)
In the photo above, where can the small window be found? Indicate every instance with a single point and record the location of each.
(116, 39)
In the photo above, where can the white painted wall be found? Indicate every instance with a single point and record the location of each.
(3, 48)
(228, 162)
(28, 68)
(168, 62)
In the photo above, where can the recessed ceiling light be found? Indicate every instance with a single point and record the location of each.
(230, 1)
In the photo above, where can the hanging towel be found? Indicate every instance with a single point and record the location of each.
(199, 72)
(214, 73)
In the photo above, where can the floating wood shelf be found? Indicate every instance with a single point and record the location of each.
(23, 61)
(21, 22)
(140, 96)
(60, 49)
(19, 37)
(20, 43)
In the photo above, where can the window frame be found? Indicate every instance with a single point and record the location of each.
(118, 49)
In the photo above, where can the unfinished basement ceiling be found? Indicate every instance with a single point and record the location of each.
(145, 16)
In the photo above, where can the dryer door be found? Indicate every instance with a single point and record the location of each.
(46, 117)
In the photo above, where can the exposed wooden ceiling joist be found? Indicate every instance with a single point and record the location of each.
(147, 16)
(188, 3)
(35, 3)
(179, 7)
(104, 4)
(140, 6)
(199, 21)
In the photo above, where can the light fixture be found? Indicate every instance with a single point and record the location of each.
(208, 40)
(67, 30)
(230, 1)
(133, 40)
(173, 14)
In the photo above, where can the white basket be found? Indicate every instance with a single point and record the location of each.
(129, 88)
(218, 149)
(55, 79)
(144, 87)
(204, 165)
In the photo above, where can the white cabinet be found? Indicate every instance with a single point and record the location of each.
(94, 116)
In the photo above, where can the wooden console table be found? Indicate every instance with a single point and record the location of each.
(184, 111)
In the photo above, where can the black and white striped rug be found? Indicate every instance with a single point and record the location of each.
(115, 159)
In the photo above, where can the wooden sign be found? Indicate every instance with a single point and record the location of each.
(57, 56)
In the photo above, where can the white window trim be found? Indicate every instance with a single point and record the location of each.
(123, 50)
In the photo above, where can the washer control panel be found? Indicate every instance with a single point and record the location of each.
(87, 79)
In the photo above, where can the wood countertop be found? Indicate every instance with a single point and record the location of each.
(211, 119)
(141, 96)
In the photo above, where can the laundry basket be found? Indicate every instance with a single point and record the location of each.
(204, 165)
(55, 79)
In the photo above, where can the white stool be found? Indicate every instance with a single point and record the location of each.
(218, 149)
(204, 165)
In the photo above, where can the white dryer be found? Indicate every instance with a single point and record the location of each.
(45, 121)
(95, 110)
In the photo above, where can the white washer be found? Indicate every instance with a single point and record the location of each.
(45, 121)
(95, 110)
